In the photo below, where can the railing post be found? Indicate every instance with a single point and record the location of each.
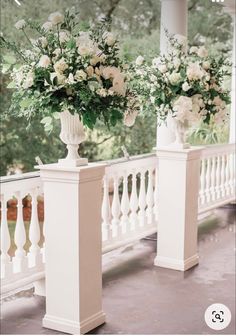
(178, 189)
(73, 250)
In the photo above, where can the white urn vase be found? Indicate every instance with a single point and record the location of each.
(72, 134)
(180, 131)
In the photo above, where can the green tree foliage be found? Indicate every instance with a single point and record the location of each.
(138, 25)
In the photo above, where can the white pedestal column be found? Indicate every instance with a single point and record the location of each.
(178, 187)
(73, 198)
(174, 15)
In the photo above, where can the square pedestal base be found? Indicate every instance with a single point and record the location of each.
(73, 163)
(73, 327)
(176, 264)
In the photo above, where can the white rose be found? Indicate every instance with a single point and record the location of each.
(206, 65)
(21, 24)
(193, 50)
(139, 60)
(162, 68)
(29, 81)
(90, 71)
(174, 78)
(185, 86)
(47, 26)
(109, 72)
(202, 52)
(197, 99)
(194, 71)
(63, 36)
(218, 102)
(109, 39)
(102, 92)
(85, 50)
(118, 85)
(130, 117)
(60, 66)
(44, 61)
(95, 59)
(80, 75)
(56, 18)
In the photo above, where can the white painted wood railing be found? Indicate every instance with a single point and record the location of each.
(217, 177)
(22, 267)
(129, 208)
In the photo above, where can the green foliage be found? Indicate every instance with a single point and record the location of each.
(68, 69)
(185, 82)
(138, 24)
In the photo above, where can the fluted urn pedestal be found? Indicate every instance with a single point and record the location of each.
(72, 134)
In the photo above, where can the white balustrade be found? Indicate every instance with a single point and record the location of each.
(25, 266)
(129, 208)
(217, 177)
(132, 201)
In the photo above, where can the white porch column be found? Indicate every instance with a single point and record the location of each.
(230, 8)
(232, 136)
(178, 188)
(174, 16)
(73, 199)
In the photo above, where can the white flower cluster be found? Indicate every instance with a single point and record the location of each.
(67, 61)
(182, 83)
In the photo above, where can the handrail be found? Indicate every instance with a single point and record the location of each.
(19, 177)
(218, 149)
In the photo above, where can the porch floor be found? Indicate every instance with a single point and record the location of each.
(139, 298)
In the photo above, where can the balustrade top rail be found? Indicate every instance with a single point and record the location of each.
(19, 177)
(212, 150)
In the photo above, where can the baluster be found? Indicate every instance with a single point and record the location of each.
(203, 182)
(6, 266)
(155, 207)
(218, 172)
(43, 248)
(213, 179)
(125, 205)
(227, 175)
(150, 198)
(231, 173)
(34, 231)
(115, 210)
(106, 228)
(134, 203)
(20, 238)
(222, 185)
(142, 200)
(208, 180)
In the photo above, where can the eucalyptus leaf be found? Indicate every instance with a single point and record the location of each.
(46, 120)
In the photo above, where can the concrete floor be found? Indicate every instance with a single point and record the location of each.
(139, 298)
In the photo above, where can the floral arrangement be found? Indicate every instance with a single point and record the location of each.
(186, 83)
(66, 68)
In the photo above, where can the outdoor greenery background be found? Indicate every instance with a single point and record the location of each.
(138, 24)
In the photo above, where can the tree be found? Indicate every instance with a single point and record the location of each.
(137, 22)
